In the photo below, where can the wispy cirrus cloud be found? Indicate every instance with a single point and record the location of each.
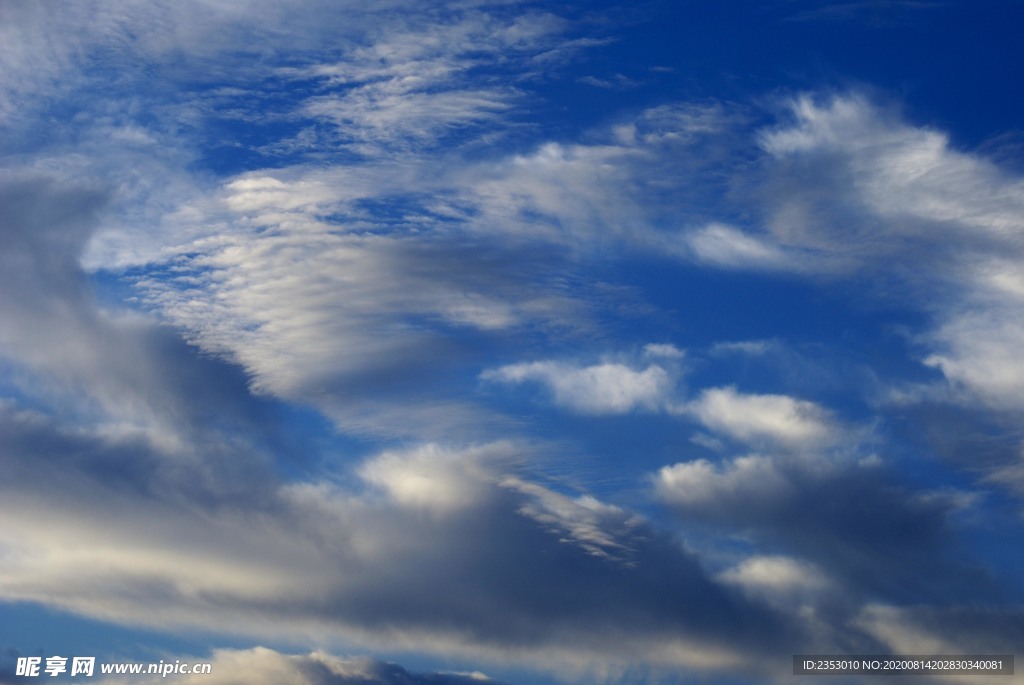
(862, 194)
(410, 88)
(725, 246)
(872, 13)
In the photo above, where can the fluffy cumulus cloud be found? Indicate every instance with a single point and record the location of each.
(600, 389)
(783, 581)
(608, 387)
(433, 478)
(776, 419)
(700, 482)
(324, 324)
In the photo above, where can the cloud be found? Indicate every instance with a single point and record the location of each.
(613, 82)
(505, 569)
(977, 351)
(901, 173)
(296, 277)
(788, 583)
(700, 482)
(402, 88)
(759, 419)
(752, 348)
(799, 500)
(901, 546)
(774, 574)
(601, 529)
(874, 13)
(725, 246)
(392, 260)
(620, 189)
(948, 630)
(112, 368)
(412, 88)
(607, 388)
(312, 314)
(906, 196)
(1010, 475)
(435, 479)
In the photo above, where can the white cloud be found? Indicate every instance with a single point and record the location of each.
(51, 50)
(618, 191)
(775, 574)
(601, 529)
(302, 281)
(701, 483)
(752, 348)
(725, 246)
(565, 194)
(407, 85)
(607, 388)
(784, 582)
(663, 350)
(856, 184)
(980, 350)
(386, 119)
(772, 419)
(1011, 475)
(307, 310)
(904, 173)
(904, 194)
(897, 628)
(847, 190)
(437, 479)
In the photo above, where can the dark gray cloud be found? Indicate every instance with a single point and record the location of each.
(103, 362)
(884, 539)
(45, 226)
(872, 562)
(442, 552)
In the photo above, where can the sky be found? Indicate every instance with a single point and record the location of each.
(416, 342)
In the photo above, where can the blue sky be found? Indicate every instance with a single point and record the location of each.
(414, 342)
